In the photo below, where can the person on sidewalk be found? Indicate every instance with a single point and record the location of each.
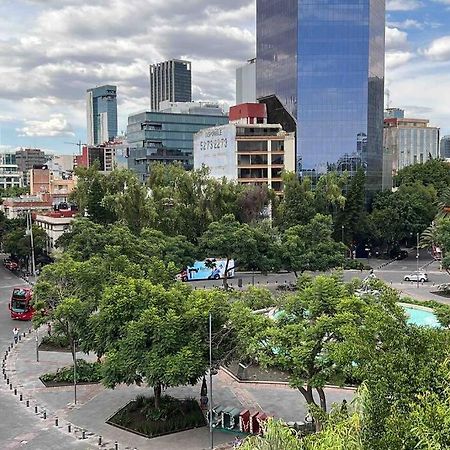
(16, 335)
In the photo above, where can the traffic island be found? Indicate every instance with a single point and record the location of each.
(140, 416)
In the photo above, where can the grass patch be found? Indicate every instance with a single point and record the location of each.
(174, 415)
(87, 372)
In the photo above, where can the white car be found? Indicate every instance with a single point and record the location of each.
(416, 276)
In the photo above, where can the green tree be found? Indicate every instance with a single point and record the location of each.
(297, 207)
(433, 172)
(17, 242)
(227, 239)
(156, 335)
(309, 338)
(399, 216)
(351, 217)
(311, 247)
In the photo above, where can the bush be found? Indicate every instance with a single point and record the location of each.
(353, 264)
(87, 372)
(55, 340)
(173, 415)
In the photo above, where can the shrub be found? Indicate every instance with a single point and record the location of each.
(55, 340)
(173, 415)
(87, 372)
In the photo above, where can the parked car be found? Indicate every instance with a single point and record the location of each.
(416, 276)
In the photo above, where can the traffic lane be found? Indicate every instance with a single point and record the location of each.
(394, 275)
(9, 281)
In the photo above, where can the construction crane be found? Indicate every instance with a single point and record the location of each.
(79, 144)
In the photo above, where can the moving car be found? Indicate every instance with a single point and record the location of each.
(416, 276)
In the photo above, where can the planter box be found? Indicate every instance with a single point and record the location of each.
(51, 384)
(111, 422)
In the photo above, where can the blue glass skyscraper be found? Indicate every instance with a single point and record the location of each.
(324, 61)
(101, 114)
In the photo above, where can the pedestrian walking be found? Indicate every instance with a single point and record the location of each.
(16, 335)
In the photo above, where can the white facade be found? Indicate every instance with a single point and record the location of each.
(216, 148)
(247, 153)
(54, 227)
(246, 83)
(10, 176)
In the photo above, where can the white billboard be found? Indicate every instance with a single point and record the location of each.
(216, 148)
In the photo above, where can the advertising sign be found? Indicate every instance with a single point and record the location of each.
(209, 269)
(215, 148)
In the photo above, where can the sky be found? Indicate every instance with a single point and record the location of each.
(51, 51)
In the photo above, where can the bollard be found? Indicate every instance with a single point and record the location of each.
(21, 397)
(35, 409)
(69, 428)
(10, 386)
(83, 434)
(4, 375)
(20, 337)
(116, 445)
(29, 330)
(56, 421)
(99, 440)
(28, 403)
(15, 391)
(24, 334)
(45, 414)
(7, 380)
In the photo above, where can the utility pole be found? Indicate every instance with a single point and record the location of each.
(30, 233)
(417, 260)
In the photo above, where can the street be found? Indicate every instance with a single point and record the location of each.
(20, 427)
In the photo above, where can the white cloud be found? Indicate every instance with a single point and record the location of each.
(407, 24)
(403, 5)
(439, 49)
(56, 125)
(396, 39)
(397, 59)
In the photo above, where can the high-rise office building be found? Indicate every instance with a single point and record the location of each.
(156, 136)
(101, 114)
(171, 81)
(246, 83)
(323, 63)
(406, 142)
(444, 151)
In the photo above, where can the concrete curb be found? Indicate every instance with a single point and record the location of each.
(277, 383)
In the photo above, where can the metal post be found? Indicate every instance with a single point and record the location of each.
(74, 372)
(417, 258)
(211, 436)
(342, 228)
(37, 346)
(33, 263)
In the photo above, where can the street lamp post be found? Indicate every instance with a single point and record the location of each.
(211, 435)
(29, 232)
(342, 228)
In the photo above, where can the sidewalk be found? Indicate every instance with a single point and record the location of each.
(96, 404)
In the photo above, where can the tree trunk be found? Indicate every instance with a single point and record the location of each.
(225, 275)
(157, 394)
(323, 400)
(295, 273)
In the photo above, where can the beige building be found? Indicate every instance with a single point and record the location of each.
(55, 224)
(46, 183)
(249, 150)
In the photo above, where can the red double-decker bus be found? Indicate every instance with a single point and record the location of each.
(20, 305)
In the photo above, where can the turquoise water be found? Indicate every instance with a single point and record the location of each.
(421, 317)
